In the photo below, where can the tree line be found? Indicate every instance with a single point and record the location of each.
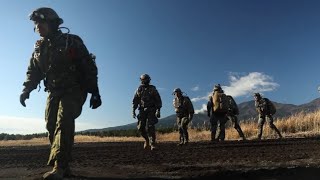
(109, 133)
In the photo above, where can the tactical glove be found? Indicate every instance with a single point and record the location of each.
(158, 113)
(23, 97)
(95, 100)
(134, 114)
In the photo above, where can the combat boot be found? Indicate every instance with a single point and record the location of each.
(181, 141)
(146, 145)
(152, 146)
(57, 173)
(213, 136)
(186, 139)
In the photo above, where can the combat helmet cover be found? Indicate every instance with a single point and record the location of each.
(176, 90)
(46, 14)
(145, 79)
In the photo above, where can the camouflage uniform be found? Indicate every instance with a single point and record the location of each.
(69, 72)
(264, 112)
(148, 101)
(216, 117)
(232, 115)
(184, 111)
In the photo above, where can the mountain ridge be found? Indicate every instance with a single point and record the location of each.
(247, 113)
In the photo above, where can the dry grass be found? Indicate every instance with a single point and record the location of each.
(298, 125)
(31, 142)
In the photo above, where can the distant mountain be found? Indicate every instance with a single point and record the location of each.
(247, 113)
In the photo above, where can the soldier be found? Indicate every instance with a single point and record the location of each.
(265, 110)
(218, 105)
(184, 111)
(148, 101)
(69, 72)
(232, 115)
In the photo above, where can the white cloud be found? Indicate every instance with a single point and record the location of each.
(21, 125)
(196, 88)
(196, 99)
(202, 110)
(246, 85)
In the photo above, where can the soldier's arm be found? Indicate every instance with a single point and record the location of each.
(87, 65)
(209, 104)
(34, 76)
(158, 100)
(191, 110)
(190, 107)
(135, 101)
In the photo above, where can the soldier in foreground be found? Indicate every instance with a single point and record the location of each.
(184, 111)
(232, 115)
(266, 109)
(148, 101)
(218, 104)
(69, 72)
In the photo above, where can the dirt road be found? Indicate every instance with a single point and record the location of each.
(293, 159)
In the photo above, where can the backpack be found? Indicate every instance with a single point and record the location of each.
(220, 102)
(271, 107)
(233, 105)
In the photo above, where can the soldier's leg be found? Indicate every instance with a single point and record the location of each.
(152, 134)
(179, 124)
(185, 122)
(51, 112)
(70, 108)
(272, 126)
(151, 130)
(261, 121)
(214, 125)
(237, 127)
(222, 128)
(142, 122)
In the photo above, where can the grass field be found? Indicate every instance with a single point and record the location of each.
(299, 125)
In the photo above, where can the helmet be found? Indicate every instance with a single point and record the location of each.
(217, 87)
(145, 79)
(177, 90)
(45, 14)
(257, 95)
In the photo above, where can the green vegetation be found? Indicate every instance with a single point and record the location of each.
(5, 137)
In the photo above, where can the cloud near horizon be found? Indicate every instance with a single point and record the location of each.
(202, 110)
(244, 85)
(196, 88)
(249, 84)
(23, 126)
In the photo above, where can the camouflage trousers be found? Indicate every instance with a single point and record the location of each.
(61, 112)
(216, 119)
(146, 124)
(262, 120)
(182, 123)
(235, 124)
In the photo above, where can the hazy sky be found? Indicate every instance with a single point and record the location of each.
(267, 46)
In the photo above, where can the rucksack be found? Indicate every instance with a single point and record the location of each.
(233, 105)
(220, 102)
(271, 107)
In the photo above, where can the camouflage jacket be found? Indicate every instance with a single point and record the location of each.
(63, 62)
(183, 106)
(146, 96)
(233, 107)
(261, 106)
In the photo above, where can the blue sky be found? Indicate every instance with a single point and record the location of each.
(247, 46)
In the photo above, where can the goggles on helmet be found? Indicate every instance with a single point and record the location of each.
(36, 16)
